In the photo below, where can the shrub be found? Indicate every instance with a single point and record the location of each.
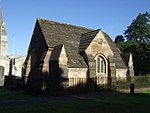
(142, 81)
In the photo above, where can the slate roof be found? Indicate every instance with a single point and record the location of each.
(56, 52)
(125, 57)
(86, 39)
(117, 59)
(56, 33)
(74, 39)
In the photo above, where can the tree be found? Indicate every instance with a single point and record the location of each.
(139, 30)
(141, 55)
(118, 39)
(138, 43)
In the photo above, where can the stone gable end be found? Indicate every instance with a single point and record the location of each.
(99, 45)
(63, 60)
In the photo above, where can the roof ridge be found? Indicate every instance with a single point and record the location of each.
(41, 20)
(91, 31)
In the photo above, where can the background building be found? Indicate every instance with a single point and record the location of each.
(5, 59)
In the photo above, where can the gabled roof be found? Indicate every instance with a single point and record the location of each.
(125, 57)
(56, 52)
(117, 59)
(56, 33)
(75, 39)
(86, 39)
(113, 46)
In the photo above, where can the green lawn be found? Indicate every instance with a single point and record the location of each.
(117, 103)
(6, 94)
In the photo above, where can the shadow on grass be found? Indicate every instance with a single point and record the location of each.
(100, 102)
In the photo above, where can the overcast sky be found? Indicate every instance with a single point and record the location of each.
(112, 16)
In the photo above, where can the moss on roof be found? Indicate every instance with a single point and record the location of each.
(44, 21)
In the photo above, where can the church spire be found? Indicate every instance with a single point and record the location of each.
(3, 35)
(1, 15)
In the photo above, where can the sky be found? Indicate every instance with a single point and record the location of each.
(112, 16)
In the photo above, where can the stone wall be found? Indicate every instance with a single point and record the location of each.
(4, 61)
(18, 65)
(3, 46)
(121, 73)
(45, 61)
(95, 49)
(63, 61)
(76, 73)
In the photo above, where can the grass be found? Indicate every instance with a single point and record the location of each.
(141, 81)
(6, 94)
(118, 103)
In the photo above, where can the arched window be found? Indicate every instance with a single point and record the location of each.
(100, 65)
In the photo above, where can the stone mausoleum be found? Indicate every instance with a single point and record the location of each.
(69, 51)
